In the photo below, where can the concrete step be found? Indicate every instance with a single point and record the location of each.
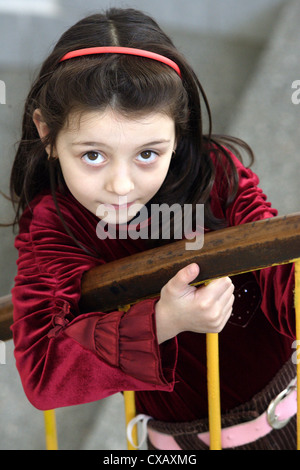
(266, 117)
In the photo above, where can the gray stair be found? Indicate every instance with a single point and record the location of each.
(266, 117)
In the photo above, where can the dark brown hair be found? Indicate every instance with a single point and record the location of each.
(131, 85)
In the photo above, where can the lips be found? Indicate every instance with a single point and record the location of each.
(119, 206)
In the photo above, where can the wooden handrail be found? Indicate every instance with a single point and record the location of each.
(6, 317)
(225, 252)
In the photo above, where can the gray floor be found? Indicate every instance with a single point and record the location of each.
(249, 87)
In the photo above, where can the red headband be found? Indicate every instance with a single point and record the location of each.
(122, 50)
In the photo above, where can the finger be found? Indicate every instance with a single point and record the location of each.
(227, 314)
(227, 295)
(218, 287)
(185, 276)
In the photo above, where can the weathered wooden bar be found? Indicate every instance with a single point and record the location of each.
(6, 317)
(229, 251)
(225, 252)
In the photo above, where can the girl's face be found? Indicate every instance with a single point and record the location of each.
(112, 164)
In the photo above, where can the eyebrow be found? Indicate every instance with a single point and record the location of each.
(146, 144)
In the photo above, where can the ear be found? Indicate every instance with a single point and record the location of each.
(40, 124)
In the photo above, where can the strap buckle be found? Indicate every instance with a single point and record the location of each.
(272, 418)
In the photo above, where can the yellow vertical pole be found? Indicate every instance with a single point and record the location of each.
(213, 388)
(130, 411)
(297, 312)
(50, 430)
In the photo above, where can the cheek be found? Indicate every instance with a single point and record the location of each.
(150, 184)
(75, 181)
(160, 175)
(85, 189)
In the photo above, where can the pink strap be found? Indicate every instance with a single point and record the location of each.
(237, 435)
(162, 441)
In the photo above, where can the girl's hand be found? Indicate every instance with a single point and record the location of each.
(182, 307)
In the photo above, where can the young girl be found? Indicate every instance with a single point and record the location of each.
(114, 121)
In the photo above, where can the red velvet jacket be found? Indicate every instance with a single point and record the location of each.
(67, 358)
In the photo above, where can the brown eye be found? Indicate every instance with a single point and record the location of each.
(147, 156)
(93, 158)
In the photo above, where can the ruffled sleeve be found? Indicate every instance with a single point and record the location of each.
(127, 340)
(65, 357)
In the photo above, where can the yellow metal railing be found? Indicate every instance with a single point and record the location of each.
(130, 413)
(50, 430)
(213, 389)
(213, 385)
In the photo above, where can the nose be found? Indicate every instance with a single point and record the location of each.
(119, 181)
